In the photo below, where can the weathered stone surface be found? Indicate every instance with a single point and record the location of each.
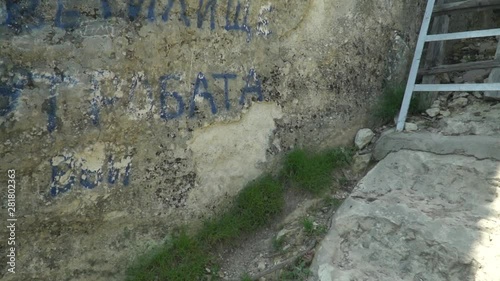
(432, 112)
(459, 102)
(417, 216)
(481, 147)
(477, 95)
(476, 76)
(494, 77)
(410, 127)
(363, 138)
(445, 113)
(124, 119)
(477, 119)
(360, 163)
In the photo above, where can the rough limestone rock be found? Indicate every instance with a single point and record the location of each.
(363, 138)
(410, 127)
(458, 103)
(360, 162)
(417, 216)
(125, 119)
(478, 119)
(432, 112)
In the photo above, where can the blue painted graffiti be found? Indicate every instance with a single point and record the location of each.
(163, 98)
(165, 15)
(66, 19)
(226, 78)
(25, 14)
(211, 4)
(90, 179)
(253, 86)
(97, 99)
(205, 95)
(251, 89)
(65, 174)
(54, 81)
(115, 173)
(106, 9)
(8, 99)
(171, 104)
(58, 173)
(18, 15)
(235, 25)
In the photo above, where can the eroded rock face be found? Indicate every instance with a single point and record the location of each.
(112, 112)
(417, 216)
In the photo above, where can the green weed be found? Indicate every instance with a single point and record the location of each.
(297, 272)
(184, 259)
(253, 208)
(390, 102)
(246, 277)
(278, 243)
(313, 171)
(308, 226)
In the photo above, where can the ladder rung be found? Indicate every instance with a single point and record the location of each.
(488, 87)
(463, 35)
(464, 6)
(466, 66)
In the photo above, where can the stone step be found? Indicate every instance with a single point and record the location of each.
(417, 216)
(480, 147)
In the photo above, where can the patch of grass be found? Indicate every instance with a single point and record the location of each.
(313, 171)
(183, 259)
(332, 202)
(298, 272)
(308, 226)
(389, 104)
(278, 243)
(246, 277)
(253, 208)
(311, 229)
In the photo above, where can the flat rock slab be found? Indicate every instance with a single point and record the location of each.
(480, 147)
(417, 216)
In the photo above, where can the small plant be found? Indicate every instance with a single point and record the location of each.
(332, 202)
(278, 243)
(308, 226)
(313, 171)
(246, 277)
(389, 104)
(321, 230)
(253, 208)
(183, 259)
(298, 272)
(186, 258)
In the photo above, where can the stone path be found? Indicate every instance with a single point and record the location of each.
(430, 209)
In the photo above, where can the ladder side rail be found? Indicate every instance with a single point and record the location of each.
(463, 35)
(410, 84)
(480, 87)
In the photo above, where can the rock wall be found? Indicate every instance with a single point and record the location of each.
(123, 119)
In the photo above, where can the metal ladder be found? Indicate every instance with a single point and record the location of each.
(424, 37)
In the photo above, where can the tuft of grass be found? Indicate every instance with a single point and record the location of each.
(186, 258)
(308, 226)
(332, 202)
(253, 208)
(246, 277)
(389, 104)
(298, 272)
(278, 243)
(313, 171)
(183, 259)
